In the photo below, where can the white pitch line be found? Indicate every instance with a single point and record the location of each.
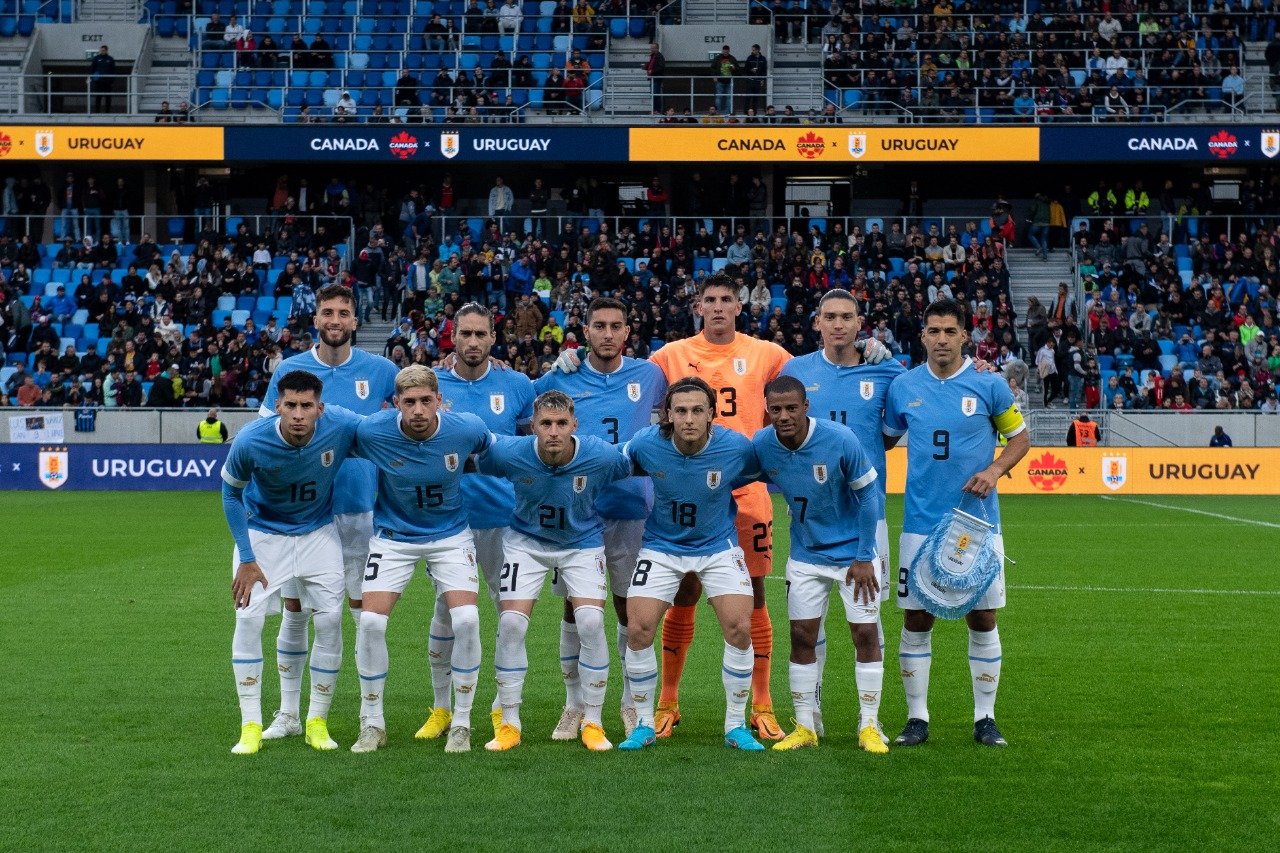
(1145, 590)
(1234, 518)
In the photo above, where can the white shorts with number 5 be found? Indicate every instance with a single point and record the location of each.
(451, 564)
(658, 575)
(526, 562)
(909, 544)
(809, 590)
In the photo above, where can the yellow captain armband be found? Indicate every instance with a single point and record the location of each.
(1009, 422)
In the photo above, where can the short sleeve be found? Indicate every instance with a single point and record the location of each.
(860, 470)
(894, 422)
(238, 468)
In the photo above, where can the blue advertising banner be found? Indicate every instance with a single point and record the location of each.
(1204, 143)
(130, 467)
(401, 143)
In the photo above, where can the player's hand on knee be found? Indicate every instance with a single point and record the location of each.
(866, 587)
(247, 576)
(567, 362)
(874, 352)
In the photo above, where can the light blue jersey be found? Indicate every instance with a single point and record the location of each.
(419, 482)
(290, 490)
(614, 407)
(365, 384)
(693, 510)
(951, 427)
(557, 506)
(830, 485)
(503, 399)
(853, 396)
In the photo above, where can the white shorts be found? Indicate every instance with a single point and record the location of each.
(809, 591)
(310, 564)
(622, 537)
(451, 564)
(489, 556)
(909, 543)
(579, 570)
(355, 529)
(658, 575)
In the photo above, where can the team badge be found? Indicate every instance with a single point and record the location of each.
(451, 462)
(600, 565)
(44, 142)
(713, 479)
(497, 403)
(449, 145)
(579, 484)
(1270, 143)
(740, 366)
(326, 458)
(820, 473)
(362, 389)
(633, 392)
(969, 405)
(53, 467)
(1114, 471)
(867, 389)
(857, 145)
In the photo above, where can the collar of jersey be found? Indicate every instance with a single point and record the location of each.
(315, 353)
(711, 434)
(586, 363)
(813, 426)
(488, 368)
(862, 363)
(432, 437)
(287, 444)
(577, 447)
(963, 367)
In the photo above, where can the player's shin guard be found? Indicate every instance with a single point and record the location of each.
(677, 636)
(326, 660)
(762, 664)
(371, 660)
(736, 673)
(440, 638)
(511, 663)
(984, 668)
(642, 672)
(291, 659)
(465, 662)
(246, 663)
(623, 636)
(594, 660)
(915, 656)
(804, 691)
(570, 657)
(869, 678)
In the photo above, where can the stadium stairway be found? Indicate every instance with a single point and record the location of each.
(713, 11)
(1030, 276)
(373, 335)
(626, 85)
(795, 70)
(171, 77)
(110, 10)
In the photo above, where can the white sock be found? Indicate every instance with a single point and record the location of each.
(819, 649)
(869, 678)
(915, 656)
(594, 660)
(642, 672)
(440, 653)
(570, 657)
(465, 662)
(511, 663)
(623, 636)
(803, 678)
(291, 659)
(371, 661)
(736, 677)
(356, 613)
(246, 664)
(984, 669)
(326, 660)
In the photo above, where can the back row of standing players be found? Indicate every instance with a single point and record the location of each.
(824, 472)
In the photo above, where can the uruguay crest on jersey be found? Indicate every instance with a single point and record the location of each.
(362, 389)
(579, 484)
(326, 458)
(820, 473)
(867, 388)
(451, 462)
(713, 479)
(968, 405)
(740, 366)
(634, 391)
(497, 403)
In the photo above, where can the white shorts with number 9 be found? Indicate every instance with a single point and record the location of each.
(658, 575)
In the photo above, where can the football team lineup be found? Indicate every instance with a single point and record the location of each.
(338, 497)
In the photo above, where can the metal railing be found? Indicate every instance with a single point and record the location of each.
(75, 94)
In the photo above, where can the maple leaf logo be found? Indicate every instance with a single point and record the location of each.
(811, 145)
(6, 144)
(1048, 473)
(403, 145)
(1223, 145)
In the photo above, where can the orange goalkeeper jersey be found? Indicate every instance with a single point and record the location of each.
(736, 371)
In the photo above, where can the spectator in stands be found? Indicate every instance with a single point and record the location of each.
(102, 80)
(164, 115)
(1232, 88)
(755, 69)
(268, 55)
(724, 68)
(215, 33)
(510, 16)
(246, 47)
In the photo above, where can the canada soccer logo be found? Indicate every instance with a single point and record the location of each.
(811, 145)
(1048, 473)
(1223, 145)
(6, 144)
(404, 145)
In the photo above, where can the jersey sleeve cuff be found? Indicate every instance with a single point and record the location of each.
(232, 481)
(863, 481)
(891, 432)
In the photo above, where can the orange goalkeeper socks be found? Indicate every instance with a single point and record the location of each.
(677, 636)
(762, 645)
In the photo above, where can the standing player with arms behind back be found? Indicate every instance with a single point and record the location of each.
(953, 416)
(362, 383)
(614, 398)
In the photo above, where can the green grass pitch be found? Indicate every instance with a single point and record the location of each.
(1141, 713)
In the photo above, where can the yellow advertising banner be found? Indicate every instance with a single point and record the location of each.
(110, 142)
(1131, 471)
(834, 144)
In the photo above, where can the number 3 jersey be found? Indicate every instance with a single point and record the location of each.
(693, 511)
(555, 505)
(290, 490)
(951, 427)
(419, 482)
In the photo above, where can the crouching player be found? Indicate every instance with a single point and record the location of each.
(695, 467)
(829, 482)
(277, 495)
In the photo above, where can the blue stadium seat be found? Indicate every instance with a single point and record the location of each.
(618, 28)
